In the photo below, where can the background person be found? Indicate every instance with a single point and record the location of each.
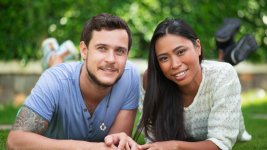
(54, 54)
(228, 50)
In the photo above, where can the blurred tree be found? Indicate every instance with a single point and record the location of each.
(24, 24)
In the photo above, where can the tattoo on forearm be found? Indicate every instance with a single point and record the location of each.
(28, 120)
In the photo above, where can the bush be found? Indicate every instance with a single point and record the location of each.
(25, 23)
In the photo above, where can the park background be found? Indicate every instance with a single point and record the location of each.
(24, 24)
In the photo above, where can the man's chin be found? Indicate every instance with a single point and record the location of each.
(110, 81)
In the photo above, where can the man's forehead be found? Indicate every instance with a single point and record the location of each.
(116, 36)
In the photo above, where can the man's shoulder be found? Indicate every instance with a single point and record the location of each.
(130, 73)
(66, 67)
(130, 65)
(131, 68)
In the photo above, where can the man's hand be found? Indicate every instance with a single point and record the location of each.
(122, 141)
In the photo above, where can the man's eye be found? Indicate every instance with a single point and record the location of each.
(102, 48)
(120, 51)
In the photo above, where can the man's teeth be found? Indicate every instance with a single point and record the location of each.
(110, 69)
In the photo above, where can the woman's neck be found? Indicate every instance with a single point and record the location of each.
(190, 91)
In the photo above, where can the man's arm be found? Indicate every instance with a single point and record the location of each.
(124, 122)
(123, 125)
(28, 130)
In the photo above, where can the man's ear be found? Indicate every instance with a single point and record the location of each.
(83, 50)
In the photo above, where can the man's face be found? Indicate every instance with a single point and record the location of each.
(106, 55)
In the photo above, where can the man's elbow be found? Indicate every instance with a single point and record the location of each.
(11, 141)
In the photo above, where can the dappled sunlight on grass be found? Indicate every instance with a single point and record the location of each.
(8, 113)
(256, 96)
(254, 108)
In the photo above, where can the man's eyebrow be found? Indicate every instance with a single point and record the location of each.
(101, 44)
(121, 47)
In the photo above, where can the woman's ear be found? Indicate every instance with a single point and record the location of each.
(198, 47)
(83, 50)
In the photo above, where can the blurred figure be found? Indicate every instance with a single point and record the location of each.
(229, 51)
(54, 54)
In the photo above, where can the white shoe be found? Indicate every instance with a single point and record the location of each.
(68, 46)
(50, 43)
(245, 136)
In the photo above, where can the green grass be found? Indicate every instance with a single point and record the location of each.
(8, 113)
(3, 137)
(254, 108)
(140, 139)
(7, 117)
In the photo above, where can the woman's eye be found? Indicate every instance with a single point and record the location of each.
(180, 52)
(163, 59)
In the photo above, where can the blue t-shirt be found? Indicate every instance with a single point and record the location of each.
(57, 98)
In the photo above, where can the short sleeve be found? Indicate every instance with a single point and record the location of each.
(42, 99)
(133, 93)
(223, 121)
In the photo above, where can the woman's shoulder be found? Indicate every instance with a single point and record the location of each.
(216, 66)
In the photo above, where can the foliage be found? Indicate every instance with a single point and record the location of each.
(25, 23)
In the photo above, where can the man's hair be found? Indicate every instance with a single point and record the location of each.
(107, 22)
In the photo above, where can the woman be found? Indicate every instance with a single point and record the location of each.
(189, 103)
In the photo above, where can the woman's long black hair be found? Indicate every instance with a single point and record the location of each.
(163, 105)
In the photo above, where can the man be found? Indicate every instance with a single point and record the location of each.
(76, 105)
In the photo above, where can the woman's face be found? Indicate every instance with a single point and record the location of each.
(178, 59)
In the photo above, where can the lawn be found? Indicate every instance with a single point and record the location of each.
(7, 117)
(254, 108)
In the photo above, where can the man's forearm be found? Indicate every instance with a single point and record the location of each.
(28, 140)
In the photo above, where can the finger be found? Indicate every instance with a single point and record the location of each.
(113, 147)
(146, 146)
(132, 144)
(127, 147)
(109, 140)
(122, 141)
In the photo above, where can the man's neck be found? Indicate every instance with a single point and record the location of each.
(91, 92)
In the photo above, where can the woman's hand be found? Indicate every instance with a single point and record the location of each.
(165, 145)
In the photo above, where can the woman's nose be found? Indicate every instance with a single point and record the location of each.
(176, 63)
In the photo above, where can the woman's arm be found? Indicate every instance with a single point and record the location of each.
(180, 145)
